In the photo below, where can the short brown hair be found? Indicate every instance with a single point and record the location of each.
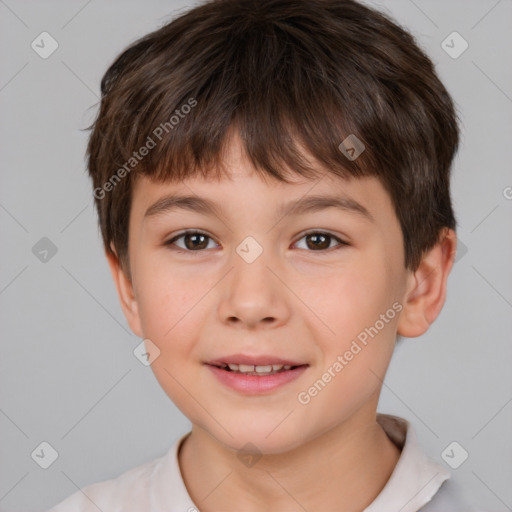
(285, 74)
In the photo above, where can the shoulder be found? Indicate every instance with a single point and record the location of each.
(449, 498)
(131, 488)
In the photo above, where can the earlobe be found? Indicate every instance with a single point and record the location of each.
(426, 292)
(125, 293)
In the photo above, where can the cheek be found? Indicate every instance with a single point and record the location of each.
(166, 299)
(350, 304)
(347, 300)
(356, 343)
(169, 306)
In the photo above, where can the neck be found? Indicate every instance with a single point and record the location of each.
(345, 468)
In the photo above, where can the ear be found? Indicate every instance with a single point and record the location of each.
(125, 293)
(426, 291)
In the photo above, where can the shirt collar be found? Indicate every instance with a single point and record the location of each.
(415, 479)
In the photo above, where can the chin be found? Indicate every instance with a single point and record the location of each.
(266, 438)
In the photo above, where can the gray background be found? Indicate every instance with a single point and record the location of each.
(68, 374)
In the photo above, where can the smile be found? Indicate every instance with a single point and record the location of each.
(255, 379)
(250, 369)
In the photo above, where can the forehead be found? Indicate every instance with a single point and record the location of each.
(242, 185)
(246, 192)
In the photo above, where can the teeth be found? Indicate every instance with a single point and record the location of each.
(263, 369)
(256, 370)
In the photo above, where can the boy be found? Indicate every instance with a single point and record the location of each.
(272, 184)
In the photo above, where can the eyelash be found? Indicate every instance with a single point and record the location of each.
(194, 232)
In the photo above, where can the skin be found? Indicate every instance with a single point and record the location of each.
(295, 301)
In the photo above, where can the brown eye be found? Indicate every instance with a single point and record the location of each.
(197, 242)
(193, 241)
(319, 241)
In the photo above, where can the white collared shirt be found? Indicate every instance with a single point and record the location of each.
(417, 483)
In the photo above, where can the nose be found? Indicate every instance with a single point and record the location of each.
(253, 296)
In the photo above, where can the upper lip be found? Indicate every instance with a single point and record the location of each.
(261, 360)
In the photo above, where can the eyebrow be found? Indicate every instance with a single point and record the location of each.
(308, 204)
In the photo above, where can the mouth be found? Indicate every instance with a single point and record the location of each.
(255, 375)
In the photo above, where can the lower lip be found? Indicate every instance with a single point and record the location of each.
(255, 384)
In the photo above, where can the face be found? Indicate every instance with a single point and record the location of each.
(318, 287)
